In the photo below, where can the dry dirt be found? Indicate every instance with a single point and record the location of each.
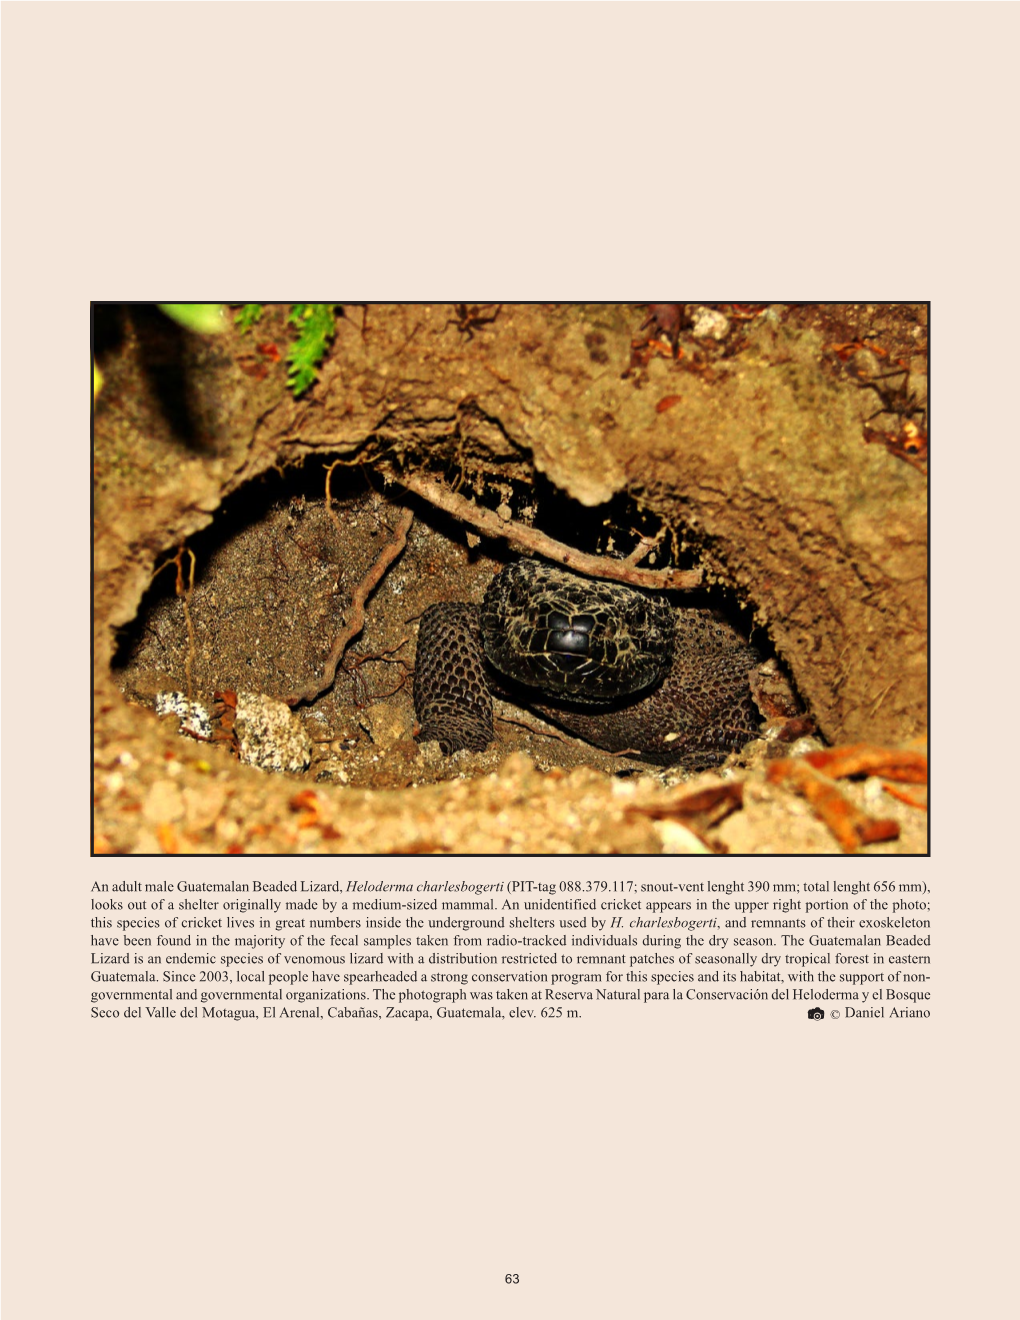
(786, 458)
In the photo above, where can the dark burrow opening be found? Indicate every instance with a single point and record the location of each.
(274, 577)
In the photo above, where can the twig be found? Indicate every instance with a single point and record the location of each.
(531, 728)
(356, 622)
(645, 547)
(487, 522)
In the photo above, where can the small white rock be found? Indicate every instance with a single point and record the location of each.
(707, 323)
(193, 715)
(270, 736)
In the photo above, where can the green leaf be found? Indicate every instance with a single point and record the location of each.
(248, 316)
(202, 318)
(316, 323)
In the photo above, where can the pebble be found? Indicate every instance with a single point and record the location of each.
(193, 715)
(270, 736)
(707, 323)
(865, 365)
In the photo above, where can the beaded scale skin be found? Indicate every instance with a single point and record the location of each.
(620, 668)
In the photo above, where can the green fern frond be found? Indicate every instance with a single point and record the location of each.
(316, 326)
(248, 316)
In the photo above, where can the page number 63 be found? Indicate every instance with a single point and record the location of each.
(512, 1278)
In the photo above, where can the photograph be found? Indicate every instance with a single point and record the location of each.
(510, 578)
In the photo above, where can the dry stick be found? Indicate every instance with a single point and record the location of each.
(671, 579)
(531, 728)
(356, 622)
(645, 547)
(555, 733)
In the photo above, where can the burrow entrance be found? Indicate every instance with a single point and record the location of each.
(254, 602)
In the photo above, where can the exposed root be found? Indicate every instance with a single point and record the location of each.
(356, 621)
(185, 594)
(329, 501)
(644, 547)
(490, 524)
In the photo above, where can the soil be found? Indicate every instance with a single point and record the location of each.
(782, 449)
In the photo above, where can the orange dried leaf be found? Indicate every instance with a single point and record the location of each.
(900, 796)
(167, 837)
(865, 759)
(849, 826)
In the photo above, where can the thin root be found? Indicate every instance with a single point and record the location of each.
(532, 728)
(185, 594)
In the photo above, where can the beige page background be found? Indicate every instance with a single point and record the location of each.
(690, 1160)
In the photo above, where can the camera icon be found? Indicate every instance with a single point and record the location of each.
(815, 1013)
